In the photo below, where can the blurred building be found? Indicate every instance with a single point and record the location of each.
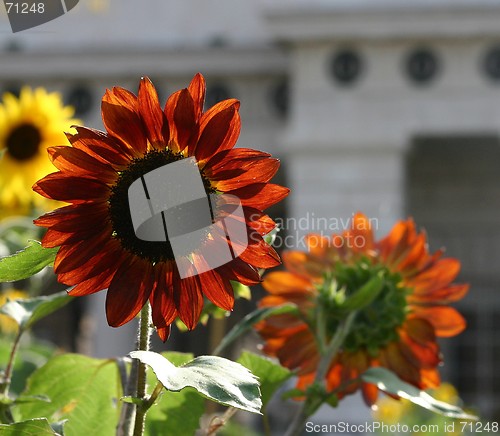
(385, 106)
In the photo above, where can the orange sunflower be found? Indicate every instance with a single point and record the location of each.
(98, 247)
(397, 330)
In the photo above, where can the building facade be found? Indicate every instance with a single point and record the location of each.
(390, 109)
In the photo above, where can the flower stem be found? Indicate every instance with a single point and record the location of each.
(310, 404)
(143, 342)
(7, 376)
(5, 412)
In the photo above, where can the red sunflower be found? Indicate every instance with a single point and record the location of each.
(98, 247)
(397, 330)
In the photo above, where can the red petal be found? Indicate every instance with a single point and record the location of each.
(370, 393)
(75, 218)
(197, 90)
(217, 289)
(240, 271)
(360, 234)
(284, 282)
(260, 195)
(219, 129)
(447, 295)
(396, 362)
(181, 115)
(54, 238)
(437, 276)
(258, 220)
(260, 172)
(102, 147)
(258, 253)
(70, 257)
(71, 189)
(224, 158)
(420, 354)
(128, 291)
(447, 321)
(124, 123)
(188, 298)
(94, 284)
(121, 97)
(72, 160)
(162, 300)
(164, 332)
(107, 258)
(318, 244)
(151, 113)
(303, 264)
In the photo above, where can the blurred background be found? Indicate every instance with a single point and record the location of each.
(389, 107)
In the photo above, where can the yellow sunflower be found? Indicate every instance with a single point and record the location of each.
(29, 124)
(7, 325)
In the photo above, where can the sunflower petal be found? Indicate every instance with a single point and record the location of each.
(128, 292)
(151, 113)
(219, 129)
(446, 320)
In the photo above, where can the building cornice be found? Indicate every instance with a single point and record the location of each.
(102, 63)
(342, 23)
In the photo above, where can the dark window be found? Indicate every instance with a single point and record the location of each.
(346, 67)
(422, 65)
(279, 97)
(217, 93)
(80, 97)
(492, 64)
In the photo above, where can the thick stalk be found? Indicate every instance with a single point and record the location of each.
(143, 340)
(299, 421)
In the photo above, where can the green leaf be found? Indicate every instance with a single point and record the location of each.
(271, 375)
(27, 312)
(216, 378)
(251, 319)
(241, 291)
(31, 427)
(26, 262)
(83, 390)
(389, 382)
(168, 415)
(24, 399)
(30, 356)
(364, 295)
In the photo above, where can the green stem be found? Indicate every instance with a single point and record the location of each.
(7, 376)
(154, 395)
(310, 404)
(143, 341)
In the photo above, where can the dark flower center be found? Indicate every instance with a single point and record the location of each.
(119, 208)
(376, 324)
(23, 142)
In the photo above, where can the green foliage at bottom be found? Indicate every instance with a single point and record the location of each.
(83, 390)
(176, 413)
